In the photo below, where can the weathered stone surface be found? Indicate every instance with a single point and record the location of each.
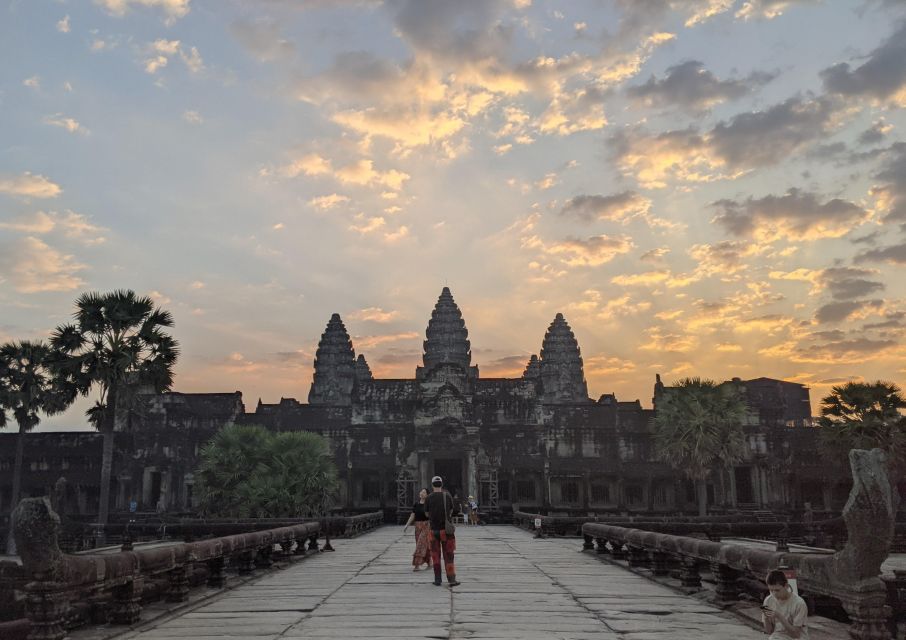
(514, 586)
(36, 530)
(335, 366)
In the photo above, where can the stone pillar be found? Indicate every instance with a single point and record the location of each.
(660, 563)
(215, 572)
(263, 559)
(546, 484)
(246, 562)
(588, 543)
(602, 545)
(424, 469)
(733, 497)
(727, 579)
(586, 491)
(179, 585)
(45, 608)
(617, 552)
(471, 479)
(689, 575)
(827, 495)
(637, 556)
(127, 602)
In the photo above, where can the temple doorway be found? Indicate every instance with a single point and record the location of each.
(450, 469)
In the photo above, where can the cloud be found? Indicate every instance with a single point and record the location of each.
(747, 141)
(70, 124)
(833, 352)
(33, 266)
(33, 82)
(767, 9)
(63, 25)
(174, 9)
(881, 77)
(374, 314)
(661, 341)
(192, 117)
(691, 87)
(327, 202)
(893, 254)
(590, 252)
(840, 311)
(796, 215)
(890, 196)
(723, 258)
(73, 225)
(615, 207)
(39, 223)
(364, 224)
(360, 172)
(367, 342)
(876, 133)
(655, 255)
(262, 38)
(160, 51)
(28, 185)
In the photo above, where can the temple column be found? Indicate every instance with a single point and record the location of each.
(471, 481)
(586, 491)
(424, 469)
(732, 473)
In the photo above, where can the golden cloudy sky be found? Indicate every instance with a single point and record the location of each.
(702, 187)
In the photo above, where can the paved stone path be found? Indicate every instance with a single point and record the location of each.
(513, 586)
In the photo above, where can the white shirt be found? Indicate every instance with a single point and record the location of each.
(793, 609)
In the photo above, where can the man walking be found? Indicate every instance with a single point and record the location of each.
(439, 506)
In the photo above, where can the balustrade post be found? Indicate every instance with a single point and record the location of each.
(263, 559)
(602, 545)
(617, 550)
(313, 543)
(286, 547)
(660, 563)
(246, 562)
(45, 607)
(727, 579)
(215, 572)
(179, 585)
(588, 543)
(689, 574)
(300, 547)
(127, 601)
(636, 556)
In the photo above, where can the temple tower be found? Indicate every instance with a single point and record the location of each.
(362, 370)
(335, 366)
(562, 375)
(532, 369)
(447, 340)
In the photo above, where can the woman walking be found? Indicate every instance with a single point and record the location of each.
(419, 516)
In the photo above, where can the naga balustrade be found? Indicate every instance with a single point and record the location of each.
(850, 576)
(58, 585)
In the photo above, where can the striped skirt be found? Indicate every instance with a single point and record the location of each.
(422, 553)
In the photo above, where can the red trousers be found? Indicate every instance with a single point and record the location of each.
(440, 541)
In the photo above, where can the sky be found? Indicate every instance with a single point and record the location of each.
(710, 188)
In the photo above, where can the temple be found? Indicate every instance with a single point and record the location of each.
(533, 442)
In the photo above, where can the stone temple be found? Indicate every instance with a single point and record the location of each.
(533, 442)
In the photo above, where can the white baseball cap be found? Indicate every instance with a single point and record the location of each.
(437, 479)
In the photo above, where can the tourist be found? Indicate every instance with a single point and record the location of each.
(784, 614)
(457, 507)
(419, 516)
(442, 535)
(473, 511)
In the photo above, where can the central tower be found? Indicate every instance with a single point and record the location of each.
(447, 339)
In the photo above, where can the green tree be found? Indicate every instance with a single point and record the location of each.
(117, 345)
(698, 426)
(29, 386)
(247, 471)
(864, 415)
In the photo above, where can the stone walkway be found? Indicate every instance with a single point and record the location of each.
(513, 586)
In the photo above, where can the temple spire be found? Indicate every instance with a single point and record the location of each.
(532, 369)
(562, 375)
(335, 366)
(362, 370)
(447, 337)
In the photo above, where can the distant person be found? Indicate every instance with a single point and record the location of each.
(419, 516)
(442, 535)
(473, 511)
(457, 507)
(783, 613)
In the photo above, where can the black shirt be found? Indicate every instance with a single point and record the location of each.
(436, 504)
(419, 510)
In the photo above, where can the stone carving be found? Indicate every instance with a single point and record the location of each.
(335, 366)
(36, 529)
(562, 375)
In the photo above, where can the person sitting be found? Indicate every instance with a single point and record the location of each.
(784, 614)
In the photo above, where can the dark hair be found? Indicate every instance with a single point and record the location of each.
(437, 484)
(776, 578)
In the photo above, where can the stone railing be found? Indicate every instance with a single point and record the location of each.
(851, 576)
(63, 590)
(352, 526)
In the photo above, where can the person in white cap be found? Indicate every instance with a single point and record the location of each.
(439, 506)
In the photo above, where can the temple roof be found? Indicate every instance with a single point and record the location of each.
(334, 365)
(362, 370)
(562, 374)
(447, 337)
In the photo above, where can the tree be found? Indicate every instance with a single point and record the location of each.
(862, 415)
(698, 425)
(29, 386)
(116, 345)
(247, 471)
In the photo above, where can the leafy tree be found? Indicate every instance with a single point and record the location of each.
(29, 386)
(249, 472)
(862, 415)
(117, 345)
(698, 425)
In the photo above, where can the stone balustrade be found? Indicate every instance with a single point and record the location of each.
(851, 576)
(59, 585)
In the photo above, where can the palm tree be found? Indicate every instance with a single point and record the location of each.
(117, 345)
(863, 415)
(30, 385)
(698, 425)
(248, 471)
